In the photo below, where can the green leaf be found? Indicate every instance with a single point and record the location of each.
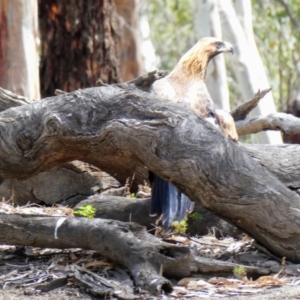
(87, 211)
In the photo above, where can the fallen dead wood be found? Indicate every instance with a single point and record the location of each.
(282, 161)
(9, 99)
(121, 129)
(286, 123)
(241, 112)
(288, 169)
(127, 244)
(67, 184)
(77, 180)
(41, 270)
(137, 210)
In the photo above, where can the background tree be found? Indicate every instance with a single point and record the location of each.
(19, 48)
(275, 30)
(130, 63)
(247, 66)
(207, 23)
(78, 44)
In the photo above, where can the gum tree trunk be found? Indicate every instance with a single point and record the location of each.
(78, 44)
(19, 61)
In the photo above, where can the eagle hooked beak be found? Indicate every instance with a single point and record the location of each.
(226, 47)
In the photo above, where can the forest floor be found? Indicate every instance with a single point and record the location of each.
(75, 293)
(57, 274)
(281, 293)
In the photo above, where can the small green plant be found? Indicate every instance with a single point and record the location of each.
(239, 271)
(87, 211)
(132, 195)
(195, 216)
(179, 227)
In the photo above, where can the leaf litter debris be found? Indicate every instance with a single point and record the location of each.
(39, 270)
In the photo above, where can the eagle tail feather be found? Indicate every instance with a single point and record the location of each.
(168, 201)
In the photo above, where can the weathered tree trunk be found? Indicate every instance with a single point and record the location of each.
(121, 129)
(78, 44)
(19, 59)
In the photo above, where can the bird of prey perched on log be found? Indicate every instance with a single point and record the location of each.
(186, 84)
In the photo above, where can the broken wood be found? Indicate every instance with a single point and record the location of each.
(281, 160)
(121, 129)
(127, 244)
(241, 112)
(77, 180)
(286, 123)
(9, 99)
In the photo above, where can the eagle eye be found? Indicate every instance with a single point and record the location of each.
(219, 44)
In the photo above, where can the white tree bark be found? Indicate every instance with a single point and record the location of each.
(19, 64)
(248, 67)
(149, 59)
(207, 23)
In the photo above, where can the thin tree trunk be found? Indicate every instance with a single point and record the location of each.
(19, 56)
(129, 53)
(149, 60)
(207, 23)
(248, 66)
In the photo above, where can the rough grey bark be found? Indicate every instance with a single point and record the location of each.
(286, 123)
(78, 44)
(282, 161)
(9, 99)
(67, 185)
(128, 244)
(112, 126)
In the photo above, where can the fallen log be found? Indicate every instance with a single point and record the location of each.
(121, 129)
(128, 244)
(137, 210)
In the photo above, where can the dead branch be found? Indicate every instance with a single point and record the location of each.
(145, 81)
(241, 112)
(125, 243)
(287, 123)
(9, 99)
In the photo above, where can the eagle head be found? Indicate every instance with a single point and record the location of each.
(213, 46)
(195, 61)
